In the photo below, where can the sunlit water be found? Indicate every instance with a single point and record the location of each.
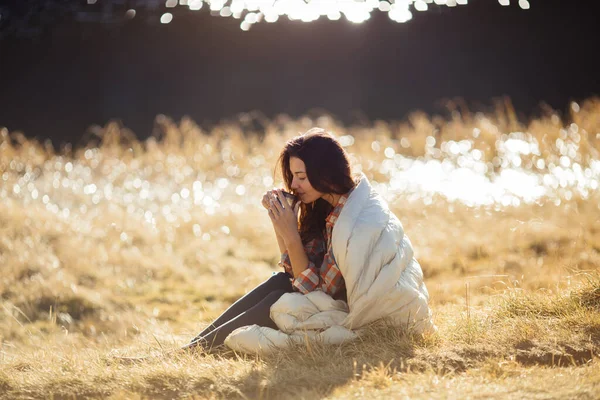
(254, 11)
(518, 175)
(172, 191)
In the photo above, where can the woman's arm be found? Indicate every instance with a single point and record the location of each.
(298, 257)
(285, 223)
(280, 242)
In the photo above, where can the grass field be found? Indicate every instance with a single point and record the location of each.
(126, 247)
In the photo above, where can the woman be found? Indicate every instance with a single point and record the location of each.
(316, 170)
(346, 256)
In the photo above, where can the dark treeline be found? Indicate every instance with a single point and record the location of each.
(74, 74)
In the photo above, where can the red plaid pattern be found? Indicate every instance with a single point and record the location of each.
(314, 250)
(328, 276)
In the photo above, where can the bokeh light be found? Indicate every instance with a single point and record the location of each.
(166, 18)
(226, 174)
(251, 12)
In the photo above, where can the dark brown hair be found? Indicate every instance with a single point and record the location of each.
(328, 171)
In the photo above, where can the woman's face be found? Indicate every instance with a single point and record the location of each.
(300, 184)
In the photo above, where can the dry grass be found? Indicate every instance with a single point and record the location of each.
(136, 264)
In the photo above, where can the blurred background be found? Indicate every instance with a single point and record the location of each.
(67, 65)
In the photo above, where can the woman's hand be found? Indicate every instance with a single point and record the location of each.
(267, 205)
(267, 196)
(283, 217)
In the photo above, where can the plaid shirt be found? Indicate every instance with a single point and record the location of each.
(328, 276)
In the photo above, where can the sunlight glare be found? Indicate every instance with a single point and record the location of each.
(271, 17)
(216, 5)
(166, 18)
(195, 5)
(311, 10)
(225, 12)
(334, 15)
(384, 6)
(420, 5)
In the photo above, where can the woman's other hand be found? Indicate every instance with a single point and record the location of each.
(266, 197)
(270, 194)
(283, 217)
(267, 205)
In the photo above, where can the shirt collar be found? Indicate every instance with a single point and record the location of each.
(334, 214)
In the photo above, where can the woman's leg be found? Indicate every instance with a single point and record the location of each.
(259, 314)
(279, 281)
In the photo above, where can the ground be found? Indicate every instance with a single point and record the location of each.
(128, 247)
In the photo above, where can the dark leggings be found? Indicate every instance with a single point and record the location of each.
(253, 308)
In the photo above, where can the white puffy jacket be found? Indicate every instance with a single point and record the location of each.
(383, 280)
